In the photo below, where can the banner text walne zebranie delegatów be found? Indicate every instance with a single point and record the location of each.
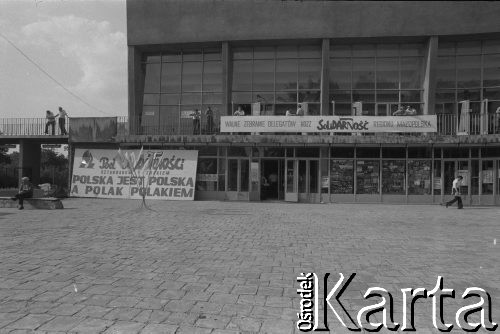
(310, 319)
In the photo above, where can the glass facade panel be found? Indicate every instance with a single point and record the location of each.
(363, 73)
(394, 177)
(474, 177)
(412, 72)
(212, 76)
(263, 75)
(313, 176)
(340, 73)
(242, 75)
(468, 71)
(387, 73)
(419, 177)
(309, 73)
(191, 76)
(446, 73)
(437, 179)
(171, 77)
(367, 177)
(491, 70)
(286, 74)
(152, 78)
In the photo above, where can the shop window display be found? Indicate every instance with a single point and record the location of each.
(341, 176)
(394, 177)
(367, 177)
(419, 177)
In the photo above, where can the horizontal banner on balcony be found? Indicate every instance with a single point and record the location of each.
(327, 124)
(156, 174)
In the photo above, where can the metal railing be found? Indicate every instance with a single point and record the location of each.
(29, 127)
(447, 124)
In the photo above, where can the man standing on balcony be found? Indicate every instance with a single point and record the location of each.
(196, 121)
(455, 191)
(210, 120)
(300, 111)
(62, 121)
(51, 121)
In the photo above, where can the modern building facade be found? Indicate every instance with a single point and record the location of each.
(334, 58)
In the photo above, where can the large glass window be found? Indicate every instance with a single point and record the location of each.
(271, 79)
(389, 74)
(367, 177)
(487, 177)
(419, 177)
(342, 176)
(394, 177)
(177, 82)
(468, 71)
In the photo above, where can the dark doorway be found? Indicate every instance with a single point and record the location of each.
(271, 187)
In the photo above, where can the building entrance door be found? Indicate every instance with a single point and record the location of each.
(272, 179)
(291, 175)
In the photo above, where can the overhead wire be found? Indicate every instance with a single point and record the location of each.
(51, 77)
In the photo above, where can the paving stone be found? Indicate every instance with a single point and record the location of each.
(31, 321)
(186, 266)
(91, 325)
(159, 328)
(61, 324)
(125, 327)
(7, 318)
(93, 311)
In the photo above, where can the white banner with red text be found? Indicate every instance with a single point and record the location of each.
(156, 174)
(328, 124)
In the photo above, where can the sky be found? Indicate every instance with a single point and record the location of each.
(81, 44)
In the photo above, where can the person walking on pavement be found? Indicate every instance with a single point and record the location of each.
(51, 121)
(455, 191)
(62, 121)
(25, 191)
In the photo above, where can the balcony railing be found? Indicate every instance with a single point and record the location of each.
(28, 127)
(447, 124)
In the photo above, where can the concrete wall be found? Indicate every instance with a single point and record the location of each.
(183, 21)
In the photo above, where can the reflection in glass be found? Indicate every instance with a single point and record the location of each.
(491, 72)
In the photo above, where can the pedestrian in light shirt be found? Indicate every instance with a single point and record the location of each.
(455, 191)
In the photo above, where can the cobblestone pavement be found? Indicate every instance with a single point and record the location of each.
(230, 267)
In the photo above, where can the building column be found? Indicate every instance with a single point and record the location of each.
(226, 80)
(325, 77)
(430, 76)
(29, 160)
(135, 88)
